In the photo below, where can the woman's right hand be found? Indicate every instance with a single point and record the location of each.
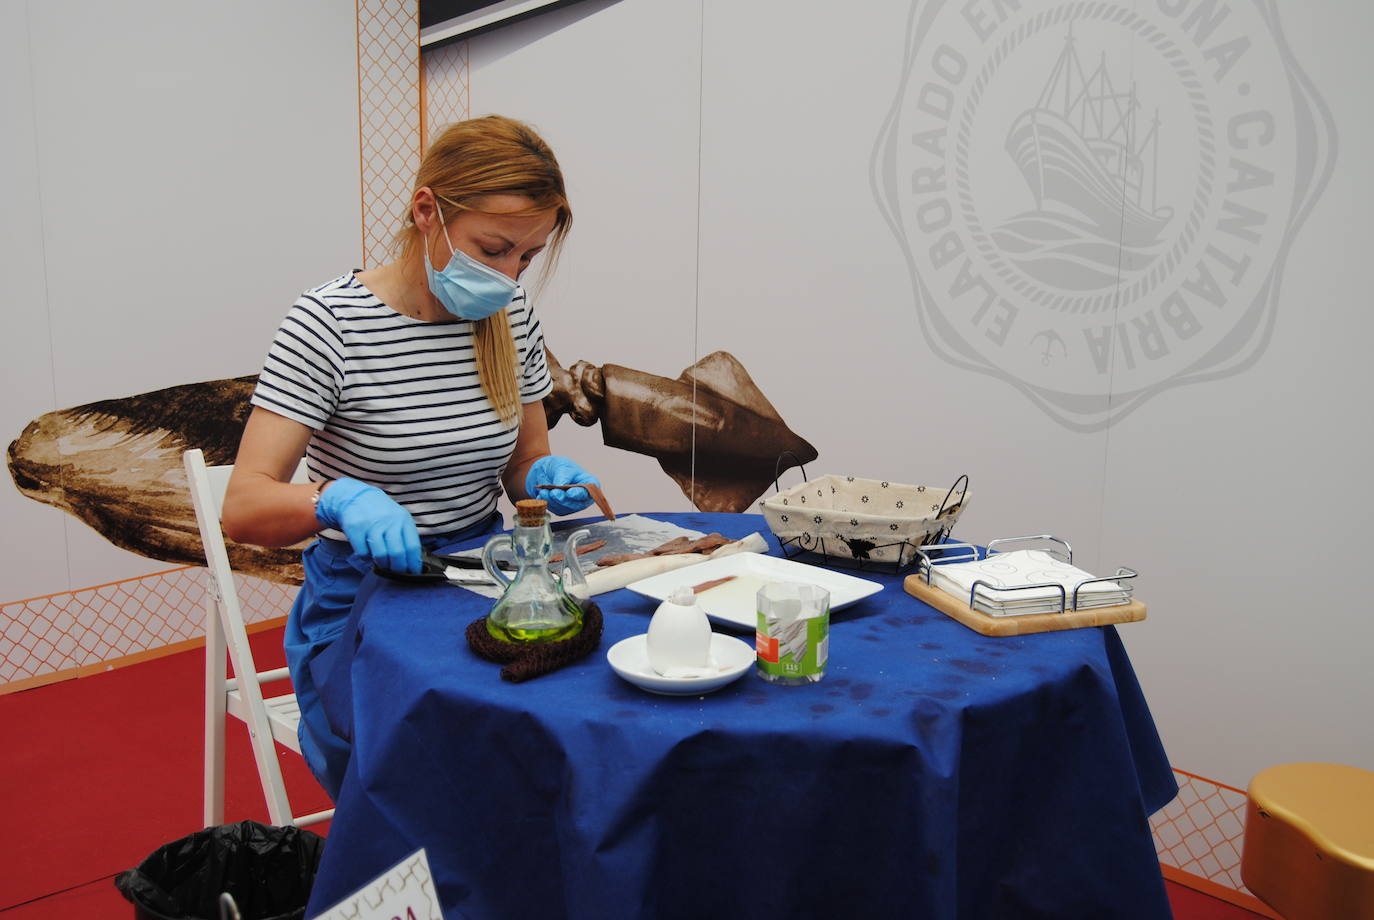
(375, 525)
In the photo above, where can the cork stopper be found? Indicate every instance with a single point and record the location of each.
(530, 512)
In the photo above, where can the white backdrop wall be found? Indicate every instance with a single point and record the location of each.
(1225, 466)
(613, 87)
(178, 173)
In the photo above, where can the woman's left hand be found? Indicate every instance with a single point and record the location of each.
(559, 471)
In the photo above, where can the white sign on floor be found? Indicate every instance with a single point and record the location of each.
(403, 892)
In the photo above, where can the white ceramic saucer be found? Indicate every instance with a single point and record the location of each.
(630, 659)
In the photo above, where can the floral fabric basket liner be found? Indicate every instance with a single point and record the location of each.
(868, 520)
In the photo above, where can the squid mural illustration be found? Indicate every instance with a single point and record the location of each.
(714, 408)
(116, 464)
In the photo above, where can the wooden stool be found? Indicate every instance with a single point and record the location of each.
(1309, 841)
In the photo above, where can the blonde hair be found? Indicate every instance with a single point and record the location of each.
(470, 160)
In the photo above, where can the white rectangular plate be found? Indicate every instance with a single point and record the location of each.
(732, 603)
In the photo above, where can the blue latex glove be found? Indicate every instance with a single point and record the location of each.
(559, 471)
(377, 527)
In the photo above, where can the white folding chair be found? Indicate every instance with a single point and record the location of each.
(268, 719)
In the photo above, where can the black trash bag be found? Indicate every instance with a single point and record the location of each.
(268, 870)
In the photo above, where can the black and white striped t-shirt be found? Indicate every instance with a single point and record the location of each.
(396, 402)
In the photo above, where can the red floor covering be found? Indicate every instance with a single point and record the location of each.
(108, 769)
(99, 771)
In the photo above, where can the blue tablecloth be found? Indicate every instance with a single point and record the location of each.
(933, 773)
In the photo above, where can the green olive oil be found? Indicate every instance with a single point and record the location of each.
(525, 627)
(534, 607)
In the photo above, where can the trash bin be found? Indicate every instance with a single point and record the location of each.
(267, 870)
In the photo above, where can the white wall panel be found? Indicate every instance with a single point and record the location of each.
(199, 170)
(1245, 500)
(25, 349)
(812, 288)
(613, 88)
(183, 172)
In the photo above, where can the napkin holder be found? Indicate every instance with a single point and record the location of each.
(920, 585)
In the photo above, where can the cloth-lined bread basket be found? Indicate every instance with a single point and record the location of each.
(868, 520)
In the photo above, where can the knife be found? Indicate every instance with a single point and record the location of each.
(439, 567)
(461, 569)
(440, 561)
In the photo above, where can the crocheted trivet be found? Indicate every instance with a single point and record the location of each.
(526, 661)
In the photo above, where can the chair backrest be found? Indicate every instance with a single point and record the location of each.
(225, 631)
(208, 485)
(214, 480)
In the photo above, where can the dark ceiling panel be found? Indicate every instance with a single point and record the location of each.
(433, 12)
(445, 21)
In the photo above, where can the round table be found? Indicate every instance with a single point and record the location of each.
(933, 773)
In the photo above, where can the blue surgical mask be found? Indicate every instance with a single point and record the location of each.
(467, 288)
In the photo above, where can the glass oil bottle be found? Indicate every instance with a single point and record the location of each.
(536, 606)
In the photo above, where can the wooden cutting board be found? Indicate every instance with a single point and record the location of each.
(980, 622)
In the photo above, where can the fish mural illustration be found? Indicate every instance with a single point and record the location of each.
(116, 465)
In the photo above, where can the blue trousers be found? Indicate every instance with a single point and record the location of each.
(333, 575)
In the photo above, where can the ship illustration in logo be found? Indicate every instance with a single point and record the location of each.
(1093, 177)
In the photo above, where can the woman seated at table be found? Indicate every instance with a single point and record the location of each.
(414, 391)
